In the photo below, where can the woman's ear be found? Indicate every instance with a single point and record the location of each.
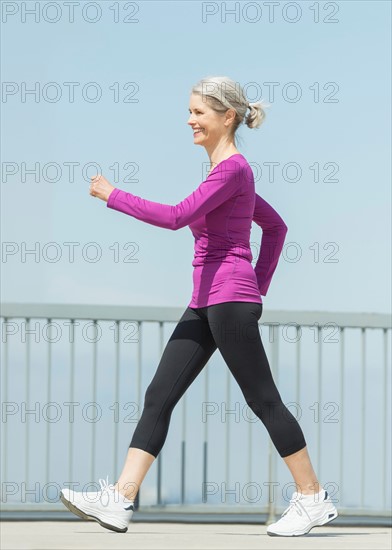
(230, 116)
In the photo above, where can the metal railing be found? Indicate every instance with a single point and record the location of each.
(24, 381)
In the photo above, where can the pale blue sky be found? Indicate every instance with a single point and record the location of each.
(165, 53)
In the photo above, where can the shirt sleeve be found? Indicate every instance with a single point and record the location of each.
(222, 183)
(274, 233)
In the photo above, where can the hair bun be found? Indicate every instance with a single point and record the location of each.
(256, 115)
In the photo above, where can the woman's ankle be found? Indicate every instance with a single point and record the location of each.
(310, 489)
(128, 490)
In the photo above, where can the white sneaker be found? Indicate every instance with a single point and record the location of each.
(108, 507)
(304, 513)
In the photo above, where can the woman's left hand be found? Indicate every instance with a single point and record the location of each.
(100, 187)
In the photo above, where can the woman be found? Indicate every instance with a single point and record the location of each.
(222, 314)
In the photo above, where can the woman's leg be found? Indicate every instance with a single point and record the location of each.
(234, 326)
(302, 471)
(137, 464)
(185, 355)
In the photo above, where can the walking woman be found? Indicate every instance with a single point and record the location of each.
(223, 313)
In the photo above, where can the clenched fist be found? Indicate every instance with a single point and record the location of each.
(100, 187)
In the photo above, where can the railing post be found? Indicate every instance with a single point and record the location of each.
(271, 448)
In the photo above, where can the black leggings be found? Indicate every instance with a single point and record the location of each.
(232, 327)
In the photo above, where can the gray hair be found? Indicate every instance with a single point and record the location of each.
(222, 93)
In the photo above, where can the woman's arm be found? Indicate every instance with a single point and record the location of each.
(221, 184)
(274, 233)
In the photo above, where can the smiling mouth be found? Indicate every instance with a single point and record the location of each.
(198, 131)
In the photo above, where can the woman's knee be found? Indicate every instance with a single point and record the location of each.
(157, 401)
(152, 396)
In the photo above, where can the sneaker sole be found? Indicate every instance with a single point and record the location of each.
(72, 508)
(324, 521)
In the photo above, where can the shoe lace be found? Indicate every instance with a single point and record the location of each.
(295, 506)
(105, 485)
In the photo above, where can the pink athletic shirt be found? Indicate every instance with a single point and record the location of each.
(219, 214)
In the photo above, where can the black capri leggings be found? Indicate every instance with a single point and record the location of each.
(232, 327)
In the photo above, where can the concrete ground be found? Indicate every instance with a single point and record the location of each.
(79, 534)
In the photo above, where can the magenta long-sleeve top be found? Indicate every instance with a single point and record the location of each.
(219, 214)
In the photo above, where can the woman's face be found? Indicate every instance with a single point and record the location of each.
(207, 125)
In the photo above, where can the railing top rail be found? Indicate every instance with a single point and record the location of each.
(173, 314)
